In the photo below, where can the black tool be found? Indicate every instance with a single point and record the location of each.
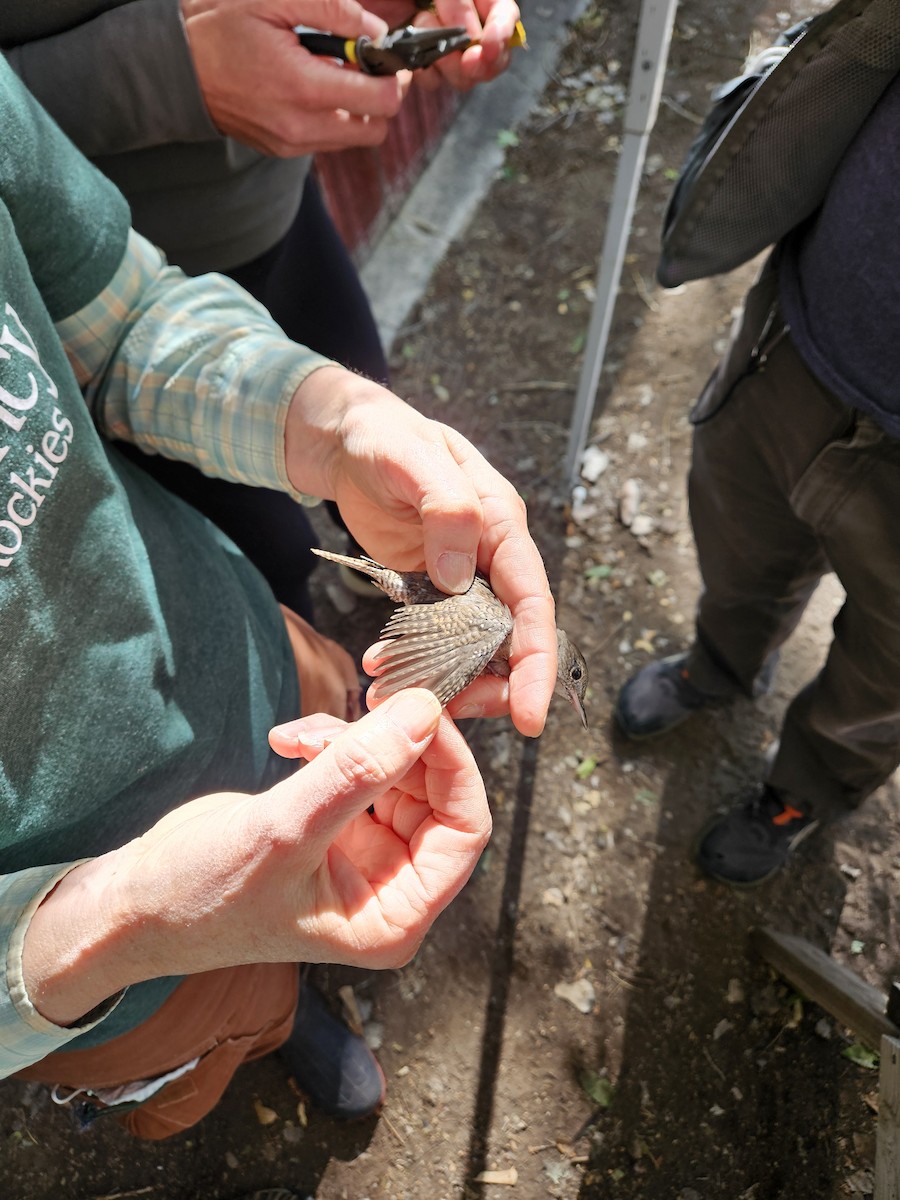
(406, 49)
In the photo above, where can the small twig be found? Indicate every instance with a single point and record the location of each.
(643, 291)
(681, 110)
(394, 1130)
(541, 428)
(715, 1066)
(536, 385)
(667, 441)
(122, 1195)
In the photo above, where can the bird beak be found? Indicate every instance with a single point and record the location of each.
(578, 705)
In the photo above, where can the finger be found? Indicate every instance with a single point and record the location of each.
(452, 521)
(362, 763)
(344, 17)
(321, 85)
(445, 848)
(307, 736)
(491, 21)
(444, 789)
(512, 562)
(487, 696)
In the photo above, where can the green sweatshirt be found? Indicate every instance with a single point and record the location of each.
(144, 659)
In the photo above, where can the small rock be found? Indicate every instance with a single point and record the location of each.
(594, 462)
(642, 524)
(629, 502)
(580, 994)
(373, 1031)
(735, 993)
(264, 1114)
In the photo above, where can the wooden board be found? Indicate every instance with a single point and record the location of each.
(831, 985)
(887, 1151)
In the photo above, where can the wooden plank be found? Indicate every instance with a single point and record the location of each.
(887, 1149)
(834, 987)
(893, 1004)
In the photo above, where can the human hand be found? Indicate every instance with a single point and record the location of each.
(416, 495)
(263, 89)
(491, 22)
(302, 872)
(329, 682)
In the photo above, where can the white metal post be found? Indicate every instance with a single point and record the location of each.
(647, 72)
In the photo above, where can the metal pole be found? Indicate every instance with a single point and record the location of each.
(647, 72)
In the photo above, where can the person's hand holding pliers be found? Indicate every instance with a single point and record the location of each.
(493, 26)
(467, 41)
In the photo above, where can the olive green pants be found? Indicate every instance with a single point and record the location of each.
(786, 484)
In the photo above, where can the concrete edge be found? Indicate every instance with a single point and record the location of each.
(446, 195)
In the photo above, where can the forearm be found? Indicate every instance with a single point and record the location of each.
(77, 951)
(28, 1033)
(223, 374)
(122, 81)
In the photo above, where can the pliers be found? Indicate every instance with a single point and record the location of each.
(406, 49)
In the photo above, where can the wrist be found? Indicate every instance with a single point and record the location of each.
(319, 425)
(76, 951)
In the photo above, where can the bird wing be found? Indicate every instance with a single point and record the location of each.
(441, 647)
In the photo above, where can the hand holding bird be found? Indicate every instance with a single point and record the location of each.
(444, 642)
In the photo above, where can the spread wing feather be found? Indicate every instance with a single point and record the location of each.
(439, 647)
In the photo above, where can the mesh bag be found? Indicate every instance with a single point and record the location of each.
(770, 144)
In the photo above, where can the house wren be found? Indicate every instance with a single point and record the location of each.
(443, 642)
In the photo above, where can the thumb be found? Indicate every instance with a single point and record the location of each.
(369, 758)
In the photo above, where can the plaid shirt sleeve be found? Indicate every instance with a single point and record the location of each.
(25, 1036)
(191, 368)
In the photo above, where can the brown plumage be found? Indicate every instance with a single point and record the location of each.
(443, 642)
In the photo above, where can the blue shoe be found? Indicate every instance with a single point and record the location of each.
(749, 844)
(334, 1066)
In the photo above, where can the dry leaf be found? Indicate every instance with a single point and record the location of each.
(264, 1115)
(351, 1009)
(510, 1177)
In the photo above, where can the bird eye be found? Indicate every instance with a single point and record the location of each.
(576, 672)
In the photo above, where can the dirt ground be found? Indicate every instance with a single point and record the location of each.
(588, 1019)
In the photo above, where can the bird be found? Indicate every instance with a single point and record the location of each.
(442, 642)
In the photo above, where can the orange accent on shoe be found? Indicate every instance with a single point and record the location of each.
(789, 814)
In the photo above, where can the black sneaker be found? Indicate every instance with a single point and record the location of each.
(748, 845)
(334, 1066)
(660, 697)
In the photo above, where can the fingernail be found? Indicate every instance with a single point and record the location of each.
(417, 711)
(287, 731)
(455, 571)
(467, 711)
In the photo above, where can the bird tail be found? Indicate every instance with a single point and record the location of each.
(368, 566)
(388, 581)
